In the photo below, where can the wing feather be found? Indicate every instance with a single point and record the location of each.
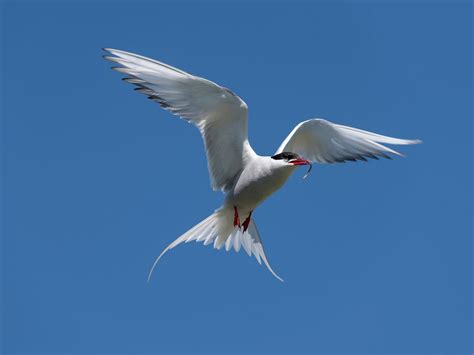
(321, 141)
(220, 115)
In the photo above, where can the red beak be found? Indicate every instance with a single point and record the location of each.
(299, 161)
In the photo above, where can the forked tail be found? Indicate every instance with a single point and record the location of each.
(218, 229)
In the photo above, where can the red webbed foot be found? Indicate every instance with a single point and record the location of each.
(236, 218)
(246, 223)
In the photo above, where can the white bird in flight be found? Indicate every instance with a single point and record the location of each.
(245, 177)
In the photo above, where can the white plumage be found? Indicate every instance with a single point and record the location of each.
(206, 232)
(245, 177)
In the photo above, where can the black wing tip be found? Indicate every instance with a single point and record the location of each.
(140, 88)
(363, 157)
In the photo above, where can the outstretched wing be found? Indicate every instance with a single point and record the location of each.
(321, 141)
(220, 115)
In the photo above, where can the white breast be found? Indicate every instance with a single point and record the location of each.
(260, 178)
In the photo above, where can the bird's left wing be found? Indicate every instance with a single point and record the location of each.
(220, 115)
(321, 141)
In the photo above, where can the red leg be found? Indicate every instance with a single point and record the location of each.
(247, 222)
(236, 218)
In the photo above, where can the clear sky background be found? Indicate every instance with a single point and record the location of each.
(97, 180)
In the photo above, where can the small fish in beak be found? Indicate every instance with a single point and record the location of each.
(301, 161)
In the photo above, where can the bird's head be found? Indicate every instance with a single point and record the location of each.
(290, 159)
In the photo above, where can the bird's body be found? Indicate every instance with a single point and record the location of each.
(245, 177)
(260, 177)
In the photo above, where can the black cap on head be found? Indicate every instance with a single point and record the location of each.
(285, 156)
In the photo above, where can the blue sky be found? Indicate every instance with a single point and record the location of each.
(97, 180)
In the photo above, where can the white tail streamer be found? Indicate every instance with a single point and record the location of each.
(213, 228)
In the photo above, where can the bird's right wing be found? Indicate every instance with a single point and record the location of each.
(220, 115)
(321, 141)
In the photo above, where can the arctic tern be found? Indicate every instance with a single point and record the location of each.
(245, 177)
